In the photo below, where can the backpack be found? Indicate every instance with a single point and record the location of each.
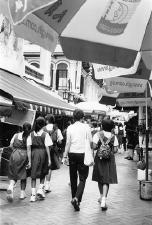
(104, 151)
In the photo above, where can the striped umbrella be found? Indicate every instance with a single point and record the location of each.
(105, 32)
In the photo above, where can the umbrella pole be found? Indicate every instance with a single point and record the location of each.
(147, 134)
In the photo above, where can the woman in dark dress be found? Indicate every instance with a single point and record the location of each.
(40, 157)
(18, 161)
(104, 171)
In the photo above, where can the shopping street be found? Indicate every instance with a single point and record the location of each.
(124, 204)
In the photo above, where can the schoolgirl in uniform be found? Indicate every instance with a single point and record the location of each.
(18, 161)
(39, 145)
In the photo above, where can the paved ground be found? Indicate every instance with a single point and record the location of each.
(124, 204)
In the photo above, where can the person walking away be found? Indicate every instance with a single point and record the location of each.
(39, 145)
(132, 140)
(104, 170)
(18, 161)
(74, 153)
(124, 139)
(120, 137)
(56, 136)
(64, 133)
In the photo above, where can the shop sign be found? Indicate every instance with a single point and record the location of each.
(20, 117)
(126, 85)
(133, 102)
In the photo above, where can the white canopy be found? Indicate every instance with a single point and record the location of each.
(92, 107)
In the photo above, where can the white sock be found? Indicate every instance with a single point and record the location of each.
(11, 185)
(103, 199)
(103, 202)
(33, 191)
(22, 192)
(41, 186)
(47, 183)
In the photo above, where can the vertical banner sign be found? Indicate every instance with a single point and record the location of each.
(19, 9)
(117, 16)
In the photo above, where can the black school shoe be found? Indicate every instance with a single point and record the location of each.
(75, 204)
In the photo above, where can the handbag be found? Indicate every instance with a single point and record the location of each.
(88, 156)
(104, 151)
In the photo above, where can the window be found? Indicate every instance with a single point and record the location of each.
(35, 64)
(61, 78)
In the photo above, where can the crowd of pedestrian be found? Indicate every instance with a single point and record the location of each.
(39, 150)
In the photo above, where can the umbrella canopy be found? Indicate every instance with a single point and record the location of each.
(127, 90)
(104, 32)
(92, 107)
(136, 82)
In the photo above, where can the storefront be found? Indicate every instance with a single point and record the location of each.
(21, 101)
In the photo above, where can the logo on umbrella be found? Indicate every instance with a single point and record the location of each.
(117, 16)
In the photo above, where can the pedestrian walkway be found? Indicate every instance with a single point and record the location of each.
(124, 204)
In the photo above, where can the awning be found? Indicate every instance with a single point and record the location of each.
(23, 91)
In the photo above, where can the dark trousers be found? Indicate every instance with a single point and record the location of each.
(124, 143)
(77, 168)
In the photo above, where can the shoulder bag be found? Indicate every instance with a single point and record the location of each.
(88, 156)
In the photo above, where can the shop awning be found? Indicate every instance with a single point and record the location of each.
(23, 91)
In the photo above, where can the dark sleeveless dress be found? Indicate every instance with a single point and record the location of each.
(18, 161)
(39, 159)
(54, 153)
(104, 171)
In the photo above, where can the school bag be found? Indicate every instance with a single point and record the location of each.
(104, 151)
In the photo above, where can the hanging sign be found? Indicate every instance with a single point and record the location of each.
(126, 85)
(107, 71)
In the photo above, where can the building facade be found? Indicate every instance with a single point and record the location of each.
(55, 71)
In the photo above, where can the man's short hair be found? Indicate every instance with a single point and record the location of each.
(78, 114)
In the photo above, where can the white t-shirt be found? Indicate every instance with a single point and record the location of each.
(48, 141)
(49, 127)
(76, 136)
(96, 136)
(19, 136)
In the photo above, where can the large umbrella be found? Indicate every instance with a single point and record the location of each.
(104, 32)
(92, 107)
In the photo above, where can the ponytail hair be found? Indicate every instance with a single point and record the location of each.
(26, 131)
(39, 123)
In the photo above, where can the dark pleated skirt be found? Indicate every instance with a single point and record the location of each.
(39, 163)
(17, 165)
(104, 171)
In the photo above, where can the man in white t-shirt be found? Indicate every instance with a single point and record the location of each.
(74, 150)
